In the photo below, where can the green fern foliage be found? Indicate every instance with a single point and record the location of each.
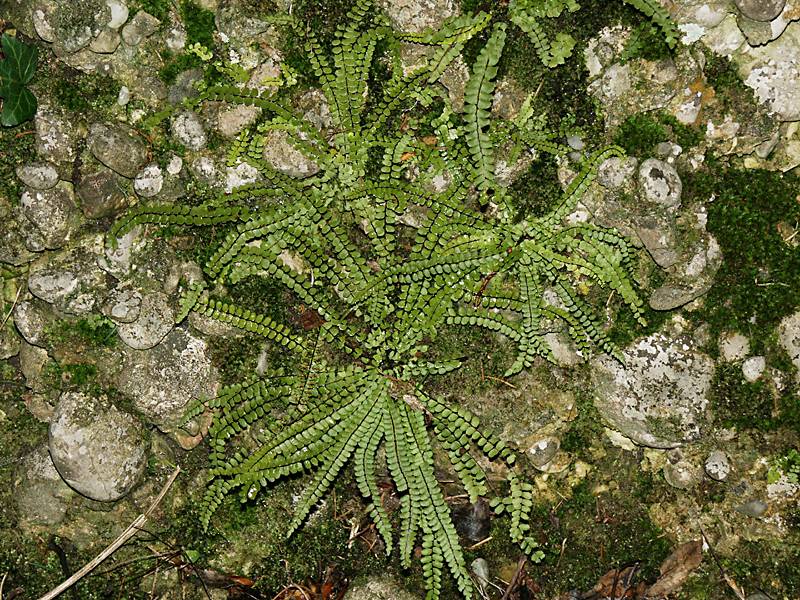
(385, 285)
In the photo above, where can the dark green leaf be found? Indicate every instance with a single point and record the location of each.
(19, 105)
(20, 61)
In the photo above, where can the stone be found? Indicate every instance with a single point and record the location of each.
(733, 346)
(542, 451)
(418, 15)
(188, 130)
(657, 234)
(149, 181)
(164, 379)
(789, 339)
(56, 134)
(380, 587)
(117, 147)
(31, 318)
(140, 27)
(32, 360)
(124, 96)
(119, 13)
(682, 475)
(9, 340)
(753, 508)
(70, 25)
(718, 466)
(614, 172)
(70, 280)
(41, 495)
(38, 175)
(658, 398)
(106, 42)
(726, 38)
(175, 165)
(773, 72)
(156, 319)
(103, 193)
(760, 10)
(184, 86)
(52, 214)
(660, 183)
(99, 450)
(282, 155)
(753, 367)
(239, 175)
(123, 305)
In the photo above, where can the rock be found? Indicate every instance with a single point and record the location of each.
(773, 71)
(717, 465)
(9, 340)
(726, 38)
(70, 26)
(418, 15)
(543, 451)
(124, 96)
(32, 360)
(789, 339)
(55, 134)
(119, 13)
(733, 346)
(242, 174)
(70, 280)
(378, 588)
(657, 233)
(682, 475)
(753, 367)
(162, 380)
(473, 520)
(189, 131)
(123, 305)
(41, 495)
(757, 33)
(140, 27)
(117, 147)
(660, 183)
(231, 121)
(99, 450)
(480, 568)
(754, 508)
(175, 165)
(760, 10)
(38, 175)
(154, 322)
(52, 214)
(658, 398)
(205, 170)
(31, 318)
(286, 158)
(103, 193)
(106, 42)
(184, 86)
(692, 276)
(149, 181)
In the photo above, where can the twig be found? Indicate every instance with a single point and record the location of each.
(11, 310)
(503, 381)
(479, 544)
(2, 583)
(515, 579)
(132, 530)
(728, 579)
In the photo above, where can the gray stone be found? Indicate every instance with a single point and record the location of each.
(188, 130)
(733, 346)
(123, 305)
(789, 339)
(773, 72)
(9, 340)
(69, 25)
(99, 450)
(106, 42)
(754, 508)
(149, 181)
(117, 147)
(156, 319)
(41, 495)
(162, 380)
(658, 398)
(53, 215)
(38, 175)
(184, 86)
(378, 588)
(282, 155)
(418, 15)
(32, 360)
(753, 367)
(31, 317)
(682, 475)
(103, 193)
(760, 10)
(70, 280)
(718, 466)
(657, 233)
(660, 183)
(542, 451)
(757, 33)
(119, 13)
(140, 27)
(55, 134)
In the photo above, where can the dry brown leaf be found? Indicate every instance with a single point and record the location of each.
(676, 569)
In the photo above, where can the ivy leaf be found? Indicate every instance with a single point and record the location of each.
(19, 105)
(20, 61)
(16, 70)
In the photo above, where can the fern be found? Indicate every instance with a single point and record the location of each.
(384, 290)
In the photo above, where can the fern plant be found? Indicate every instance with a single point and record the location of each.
(384, 290)
(528, 15)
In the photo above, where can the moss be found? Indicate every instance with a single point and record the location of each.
(585, 429)
(646, 42)
(84, 92)
(198, 22)
(757, 283)
(17, 146)
(537, 190)
(158, 8)
(639, 133)
(93, 331)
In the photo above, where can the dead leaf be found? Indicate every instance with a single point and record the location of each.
(676, 569)
(618, 583)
